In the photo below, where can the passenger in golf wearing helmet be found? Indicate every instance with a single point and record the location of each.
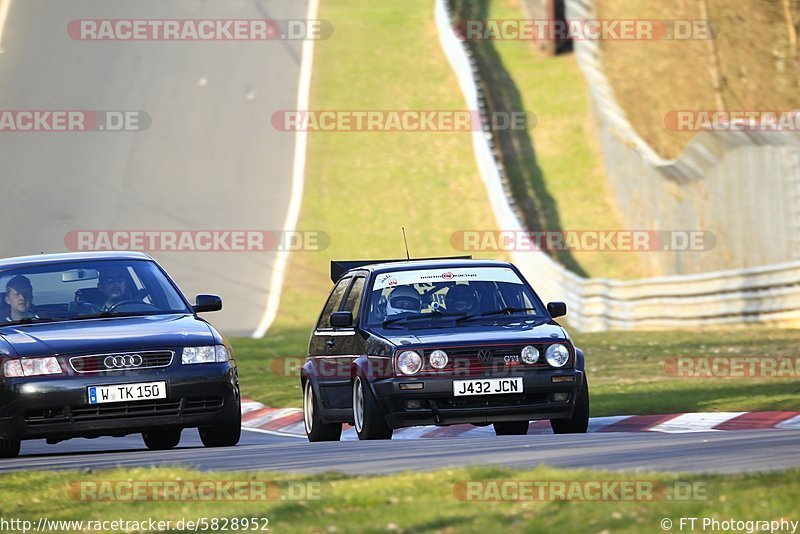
(403, 299)
(461, 299)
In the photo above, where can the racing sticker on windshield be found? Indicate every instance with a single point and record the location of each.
(463, 274)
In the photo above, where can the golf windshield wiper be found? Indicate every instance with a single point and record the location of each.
(502, 311)
(415, 316)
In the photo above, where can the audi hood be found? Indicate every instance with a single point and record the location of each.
(92, 336)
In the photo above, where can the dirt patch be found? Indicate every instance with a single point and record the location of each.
(754, 54)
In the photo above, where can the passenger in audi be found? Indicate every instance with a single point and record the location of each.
(19, 298)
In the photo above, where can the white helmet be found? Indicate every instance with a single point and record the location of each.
(403, 299)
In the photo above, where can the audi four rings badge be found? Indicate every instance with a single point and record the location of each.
(126, 360)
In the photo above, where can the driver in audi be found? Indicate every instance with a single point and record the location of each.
(113, 285)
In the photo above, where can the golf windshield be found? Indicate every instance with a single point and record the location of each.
(415, 298)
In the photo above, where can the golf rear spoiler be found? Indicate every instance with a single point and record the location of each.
(340, 268)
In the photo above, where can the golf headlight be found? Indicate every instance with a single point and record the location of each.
(438, 359)
(205, 354)
(530, 354)
(557, 355)
(409, 362)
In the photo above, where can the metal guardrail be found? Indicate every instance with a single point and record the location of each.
(768, 294)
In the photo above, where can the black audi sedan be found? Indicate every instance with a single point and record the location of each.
(439, 342)
(105, 344)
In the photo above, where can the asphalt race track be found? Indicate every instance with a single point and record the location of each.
(210, 159)
(706, 452)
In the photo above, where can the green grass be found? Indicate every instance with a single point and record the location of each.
(554, 167)
(418, 502)
(627, 370)
(361, 187)
(755, 73)
(261, 366)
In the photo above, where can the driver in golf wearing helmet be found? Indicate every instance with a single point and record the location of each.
(461, 299)
(403, 299)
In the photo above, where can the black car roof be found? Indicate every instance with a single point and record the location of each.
(42, 259)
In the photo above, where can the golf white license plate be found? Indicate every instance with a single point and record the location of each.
(487, 386)
(127, 392)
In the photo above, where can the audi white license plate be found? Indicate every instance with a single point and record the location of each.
(487, 386)
(127, 392)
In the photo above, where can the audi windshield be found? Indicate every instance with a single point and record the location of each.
(82, 290)
(456, 296)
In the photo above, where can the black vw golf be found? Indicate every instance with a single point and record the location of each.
(105, 344)
(441, 342)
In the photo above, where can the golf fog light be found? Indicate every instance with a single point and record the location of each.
(530, 354)
(438, 359)
(413, 404)
(560, 397)
(557, 355)
(409, 362)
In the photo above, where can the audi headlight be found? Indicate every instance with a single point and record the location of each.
(31, 367)
(557, 355)
(530, 354)
(205, 354)
(409, 362)
(438, 359)
(222, 354)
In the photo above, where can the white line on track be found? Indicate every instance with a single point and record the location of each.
(274, 433)
(4, 6)
(298, 175)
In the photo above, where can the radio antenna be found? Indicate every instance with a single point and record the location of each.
(405, 242)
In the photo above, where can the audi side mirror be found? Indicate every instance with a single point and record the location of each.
(556, 309)
(342, 319)
(207, 303)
